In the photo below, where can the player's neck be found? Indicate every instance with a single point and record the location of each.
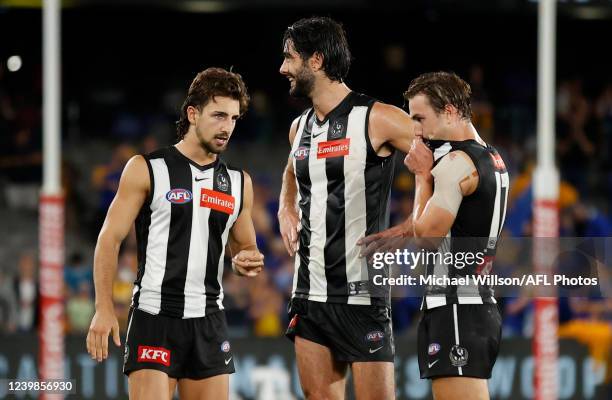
(464, 131)
(326, 96)
(193, 151)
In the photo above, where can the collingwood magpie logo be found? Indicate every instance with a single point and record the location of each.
(458, 356)
(126, 354)
(336, 130)
(223, 183)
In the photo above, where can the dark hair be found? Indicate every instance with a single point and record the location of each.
(325, 36)
(442, 89)
(206, 85)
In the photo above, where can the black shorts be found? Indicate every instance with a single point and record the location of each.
(194, 348)
(459, 340)
(354, 333)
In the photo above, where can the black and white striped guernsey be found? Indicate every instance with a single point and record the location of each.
(476, 228)
(343, 195)
(181, 231)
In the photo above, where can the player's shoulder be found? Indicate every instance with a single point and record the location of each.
(245, 177)
(304, 115)
(136, 163)
(158, 153)
(136, 172)
(383, 111)
(296, 123)
(362, 99)
(389, 122)
(455, 157)
(235, 168)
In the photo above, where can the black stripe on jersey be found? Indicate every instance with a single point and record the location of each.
(302, 173)
(334, 252)
(502, 204)
(216, 225)
(142, 224)
(242, 192)
(179, 238)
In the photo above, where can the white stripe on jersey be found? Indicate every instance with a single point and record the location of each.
(294, 147)
(496, 210)
(505, 182)
(318, 221)
(195, 295)
(456, 322)
(150, 290)
(355, 201)
(442, 151)
(439, 269)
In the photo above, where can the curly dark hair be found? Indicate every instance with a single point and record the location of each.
(325, 36)
(442, 89)
(206, 85)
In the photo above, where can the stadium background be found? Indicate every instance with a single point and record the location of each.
(126, 67)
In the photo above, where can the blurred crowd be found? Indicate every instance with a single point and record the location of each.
(92, 168)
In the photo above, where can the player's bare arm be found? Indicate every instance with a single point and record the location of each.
(389, 127)
(246, 258)
(134, 187)
(288, 217)
(439, 191)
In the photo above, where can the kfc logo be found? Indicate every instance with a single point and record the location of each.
(333, 148)
(217, 201)
(157, 355)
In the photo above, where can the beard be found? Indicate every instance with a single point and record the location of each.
(211, 146)
(303, 83)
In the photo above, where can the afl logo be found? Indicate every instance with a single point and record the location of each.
(375, 336)
(433, 349)
(225, 347)
(179, 196)
(301, 153)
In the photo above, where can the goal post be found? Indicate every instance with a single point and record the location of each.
(51, 207)
(546, 209)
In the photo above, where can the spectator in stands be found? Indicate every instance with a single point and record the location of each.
(482, 109)
(585, 220)
(80, 308)
(21, 165)
(27, 291)
(237, 298)
(123, 285)
(265, 306)
(76, 272)
(603, 112)
(8, 304)
(105, 180)
(575, 143)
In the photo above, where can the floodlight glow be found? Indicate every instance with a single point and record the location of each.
(13, 63)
